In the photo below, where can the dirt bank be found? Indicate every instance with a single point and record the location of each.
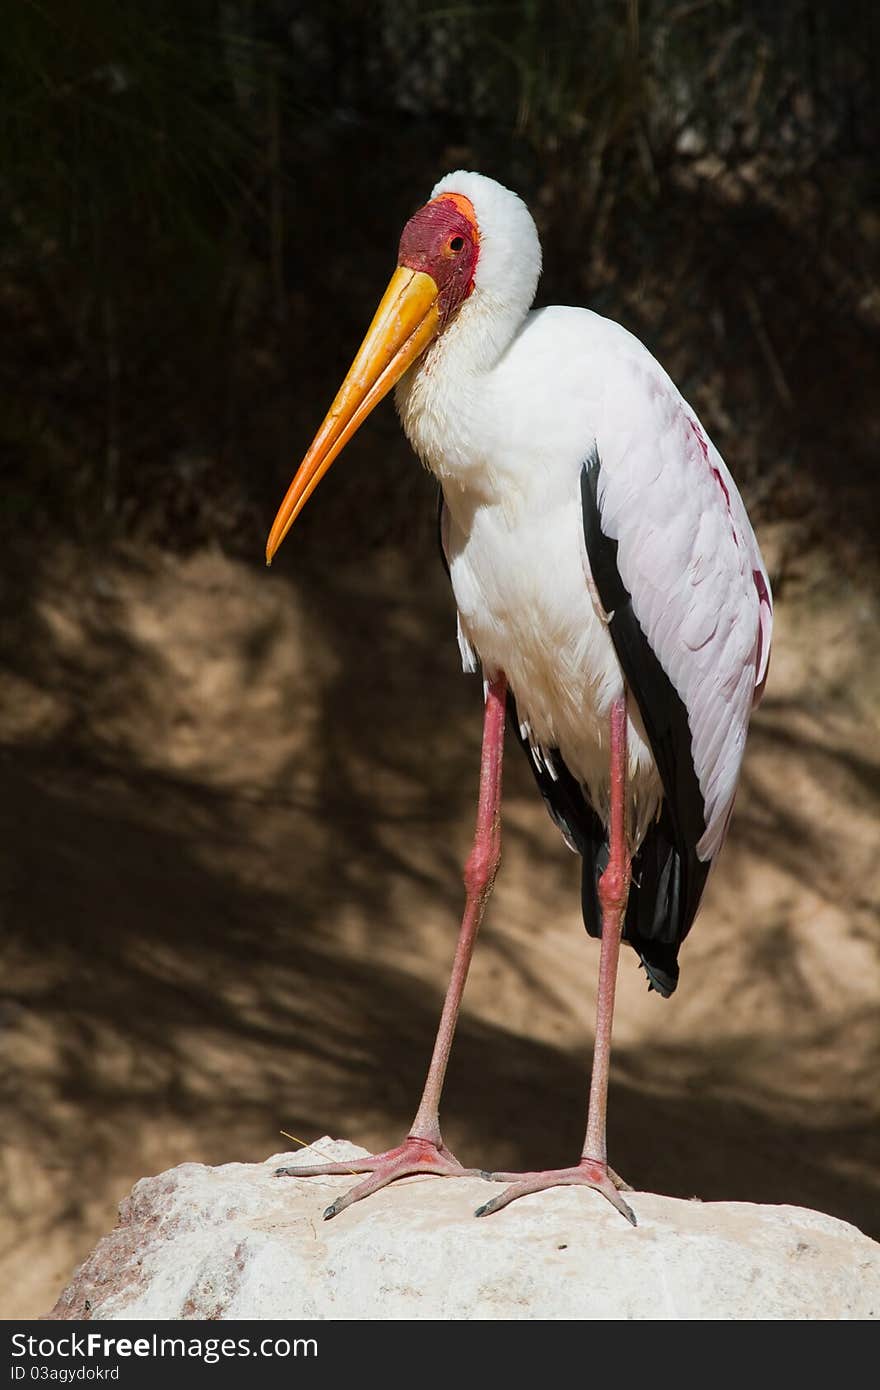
(235, 807)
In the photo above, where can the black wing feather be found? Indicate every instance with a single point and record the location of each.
(672, 876)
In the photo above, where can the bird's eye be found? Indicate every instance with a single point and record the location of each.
(457, 243)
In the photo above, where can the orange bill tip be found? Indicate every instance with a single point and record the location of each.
(405, 322)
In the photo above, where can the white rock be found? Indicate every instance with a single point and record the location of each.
(237, 1242)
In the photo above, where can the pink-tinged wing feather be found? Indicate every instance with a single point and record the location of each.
(689, 558)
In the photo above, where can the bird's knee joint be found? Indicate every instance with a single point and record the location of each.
(481, 868)
(614, 888)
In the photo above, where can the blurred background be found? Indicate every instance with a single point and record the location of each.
(236, 803)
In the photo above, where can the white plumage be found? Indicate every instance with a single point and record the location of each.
(504, 408)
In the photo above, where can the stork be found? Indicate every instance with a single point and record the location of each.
(608, 584)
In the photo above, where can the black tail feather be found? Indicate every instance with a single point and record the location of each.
(667, 877)
(665, 891)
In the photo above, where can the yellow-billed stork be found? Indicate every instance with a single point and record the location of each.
(608, 583)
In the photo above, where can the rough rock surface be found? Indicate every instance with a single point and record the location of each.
(236, 1242)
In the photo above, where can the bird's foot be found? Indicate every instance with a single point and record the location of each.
(411, 1157)
(588, 1173)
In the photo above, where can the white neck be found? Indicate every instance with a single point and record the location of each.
(442, 399)
(439, 398)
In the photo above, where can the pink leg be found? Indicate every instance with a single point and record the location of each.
(423, 1151)
(593, 1170)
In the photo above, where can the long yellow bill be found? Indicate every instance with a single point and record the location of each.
(404, 324)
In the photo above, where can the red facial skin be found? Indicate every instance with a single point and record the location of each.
(441, 240)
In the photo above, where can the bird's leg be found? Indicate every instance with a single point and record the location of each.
(479, 877)
(423, 1150)
(593, 1170)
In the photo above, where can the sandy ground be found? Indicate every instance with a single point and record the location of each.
(235, 805)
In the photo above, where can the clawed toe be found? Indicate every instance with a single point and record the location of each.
(410, 1158)
(318, 1170)
(585, 1174)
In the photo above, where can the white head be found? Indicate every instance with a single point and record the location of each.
(468, 266)
(508, 262)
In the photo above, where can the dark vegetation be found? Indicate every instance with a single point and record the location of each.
(201, 202)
